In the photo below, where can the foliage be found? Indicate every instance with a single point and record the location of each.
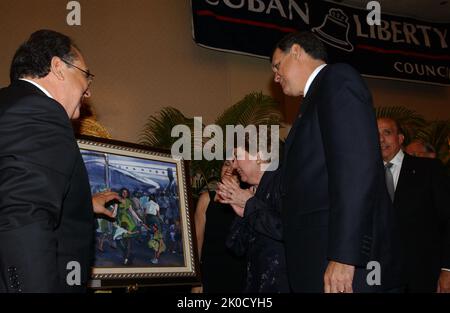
(409, 120)
(157, 130)
(415, 127)
(437, 133)
(254, 109)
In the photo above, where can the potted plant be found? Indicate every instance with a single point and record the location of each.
(254, 109)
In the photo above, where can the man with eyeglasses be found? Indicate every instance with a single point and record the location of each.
(46, 208)
(337, 218)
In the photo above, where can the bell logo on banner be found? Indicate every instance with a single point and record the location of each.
(376, 44)
(334, 30)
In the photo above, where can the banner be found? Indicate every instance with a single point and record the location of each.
(399, 48)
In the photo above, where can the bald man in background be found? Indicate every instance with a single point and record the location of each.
(421, 196)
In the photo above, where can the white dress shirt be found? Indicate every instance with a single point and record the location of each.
(311, 78)
(38, 86)
(396, 167)
(151, 208)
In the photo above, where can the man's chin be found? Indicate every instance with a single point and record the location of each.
(75, 114)
(386, 156)
(291, 93)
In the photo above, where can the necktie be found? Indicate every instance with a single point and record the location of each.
(389, 180)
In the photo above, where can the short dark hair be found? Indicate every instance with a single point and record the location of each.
(400, 130)
(312, 45)
(33, 58)
(124, 189)
(399, 127)
(249, 141)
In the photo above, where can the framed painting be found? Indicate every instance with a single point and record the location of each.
(151, 240)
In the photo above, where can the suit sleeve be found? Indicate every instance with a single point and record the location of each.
(441, 199)
(258, 217)
(35, 137)
(263, 218)
(350, 142)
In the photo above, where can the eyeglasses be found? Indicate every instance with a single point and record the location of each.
(276, 67)
(89, 76)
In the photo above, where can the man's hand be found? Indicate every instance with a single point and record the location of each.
(197, 289)
(338, 278)
(100, 199)
(444, 282)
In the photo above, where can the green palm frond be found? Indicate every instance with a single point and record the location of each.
(437, 133)
(409, 120)
(255, 109)
(157, 129)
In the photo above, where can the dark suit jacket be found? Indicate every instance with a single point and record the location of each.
(46, 217)
(335, 203)
(422, 199)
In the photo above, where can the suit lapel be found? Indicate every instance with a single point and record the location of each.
(407, 174)
(304, 109)
(293, 130)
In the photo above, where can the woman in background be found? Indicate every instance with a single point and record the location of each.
(222, 271)
(156, 243)
(125, 221)
(257, 229)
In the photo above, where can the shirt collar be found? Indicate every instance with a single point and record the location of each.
(398, 159)
(311, 78)
(38, 86)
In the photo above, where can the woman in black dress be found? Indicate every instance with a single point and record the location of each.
(256, 231)
(222, 271)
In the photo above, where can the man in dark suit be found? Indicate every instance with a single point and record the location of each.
(421, 195)
(46, 218)
(336, 211)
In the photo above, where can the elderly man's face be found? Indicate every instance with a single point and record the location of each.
(76, 87)
(288, 71)
(390, 140)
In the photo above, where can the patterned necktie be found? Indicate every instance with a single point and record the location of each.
(389, 180)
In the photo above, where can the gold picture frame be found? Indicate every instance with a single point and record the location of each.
(151, 240)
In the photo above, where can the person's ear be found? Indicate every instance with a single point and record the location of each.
(56, 67)
(401, 138)
(296, 51)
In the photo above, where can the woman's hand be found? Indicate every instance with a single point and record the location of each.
(231, 193)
